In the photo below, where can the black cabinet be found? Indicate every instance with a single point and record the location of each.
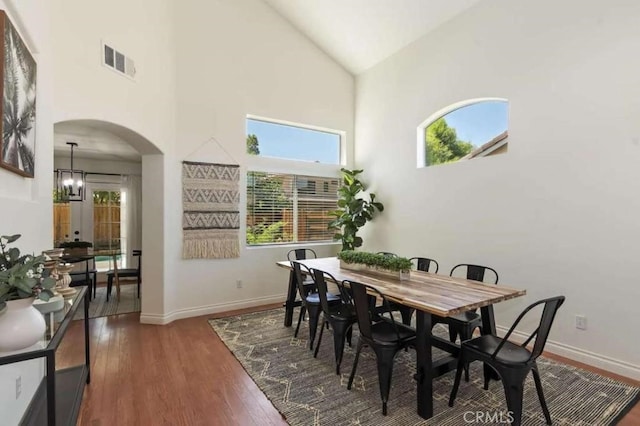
(59, 395)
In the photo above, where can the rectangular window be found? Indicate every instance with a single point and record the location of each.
(276, 140)
(107, 223)
(287, 208)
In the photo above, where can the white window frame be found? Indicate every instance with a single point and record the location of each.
(258, 163)
(420, 131)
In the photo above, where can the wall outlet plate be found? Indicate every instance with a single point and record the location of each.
(239, 284)
(581, 322)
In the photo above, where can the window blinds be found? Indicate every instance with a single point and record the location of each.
(286, 208)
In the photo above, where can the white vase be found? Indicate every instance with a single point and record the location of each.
(21, 325)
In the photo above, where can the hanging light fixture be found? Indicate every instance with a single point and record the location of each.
(70, 183)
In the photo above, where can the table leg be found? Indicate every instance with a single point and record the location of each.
(424, 374)
(488, 327)
(87, 358)
(51, 387)
(291, 299)
(86, 277)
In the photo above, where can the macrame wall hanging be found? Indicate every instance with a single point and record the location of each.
(210, 205)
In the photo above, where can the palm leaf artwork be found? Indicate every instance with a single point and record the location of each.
(19, 103)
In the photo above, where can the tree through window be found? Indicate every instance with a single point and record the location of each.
(463, 131)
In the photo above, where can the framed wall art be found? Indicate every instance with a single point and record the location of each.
(18, 82)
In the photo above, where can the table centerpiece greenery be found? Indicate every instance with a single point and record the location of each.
(399, 266)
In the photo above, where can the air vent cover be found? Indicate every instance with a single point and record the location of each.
(118, 61)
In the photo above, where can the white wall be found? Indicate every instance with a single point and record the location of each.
(26, 203)
(237, 58)
(145, 108)
(559, 213)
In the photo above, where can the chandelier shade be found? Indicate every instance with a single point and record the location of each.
(70, 183)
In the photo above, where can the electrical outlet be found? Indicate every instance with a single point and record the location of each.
(581, 322)
(18, 386)
(239, 284)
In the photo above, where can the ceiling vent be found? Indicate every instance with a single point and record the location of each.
(118, 61)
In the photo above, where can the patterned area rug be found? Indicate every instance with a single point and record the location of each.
(99, 307)
(307, 391)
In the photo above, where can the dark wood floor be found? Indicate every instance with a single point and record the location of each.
(178, 374)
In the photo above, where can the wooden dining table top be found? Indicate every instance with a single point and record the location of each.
(441, 295)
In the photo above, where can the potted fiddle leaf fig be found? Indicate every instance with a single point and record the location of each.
(353, 211)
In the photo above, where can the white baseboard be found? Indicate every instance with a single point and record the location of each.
(159, 319)
(593, 359)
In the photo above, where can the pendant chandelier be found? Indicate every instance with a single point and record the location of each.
(70, 183)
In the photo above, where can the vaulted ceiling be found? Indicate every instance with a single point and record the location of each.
(360, 33)
(355, 33)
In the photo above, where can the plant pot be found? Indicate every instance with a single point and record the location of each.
(21, 325)
(361, 267)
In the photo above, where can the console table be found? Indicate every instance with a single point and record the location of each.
(57, 400)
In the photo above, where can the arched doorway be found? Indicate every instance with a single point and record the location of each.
(123, 181)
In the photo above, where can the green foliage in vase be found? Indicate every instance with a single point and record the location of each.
(353, 212)
(22, 277)
(377, 260)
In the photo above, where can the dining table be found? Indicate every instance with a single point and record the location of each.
(429, 294)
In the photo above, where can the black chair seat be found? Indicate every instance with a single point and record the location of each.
(384, 333)
(510, 353)
(128, 272)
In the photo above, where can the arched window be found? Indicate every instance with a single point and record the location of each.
(465, 130)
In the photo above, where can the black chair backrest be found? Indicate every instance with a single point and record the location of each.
(361, 294)
(297, 270)
(424, 263)
(387, 253)
(321, 284)
(320, 278)
(138, 254)
(301, 254)
(551, 306)
(477, 272)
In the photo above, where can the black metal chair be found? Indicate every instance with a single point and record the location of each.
(303, 254)
(405, 311)
(425, 264)
(463, 324)
(511, 361)
(386, 337)
(126, 273)
(421, 264)
(309, 302)
(340, 316)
